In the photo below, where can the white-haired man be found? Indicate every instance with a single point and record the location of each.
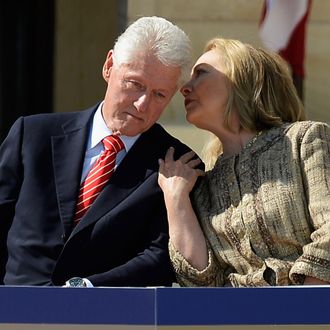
(53, 232)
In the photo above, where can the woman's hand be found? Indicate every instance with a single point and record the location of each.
(178, 177)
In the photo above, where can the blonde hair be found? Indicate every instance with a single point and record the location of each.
(260, 88)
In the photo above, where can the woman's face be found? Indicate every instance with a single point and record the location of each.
(206, 93)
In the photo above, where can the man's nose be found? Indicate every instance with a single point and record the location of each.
(142, 102)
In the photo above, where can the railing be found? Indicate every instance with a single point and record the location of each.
(164, 308)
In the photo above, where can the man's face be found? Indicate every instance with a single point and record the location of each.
(137, 93)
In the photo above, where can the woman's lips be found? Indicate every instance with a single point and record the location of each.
(188, 101)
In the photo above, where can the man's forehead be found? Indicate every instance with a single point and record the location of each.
(160, 75)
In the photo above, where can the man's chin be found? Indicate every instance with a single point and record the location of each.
(129, 131)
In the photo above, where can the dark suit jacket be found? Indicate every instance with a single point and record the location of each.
(121, 241)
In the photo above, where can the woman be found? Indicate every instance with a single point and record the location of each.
(261, 215)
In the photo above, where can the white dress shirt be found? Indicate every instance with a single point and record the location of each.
(98, 132)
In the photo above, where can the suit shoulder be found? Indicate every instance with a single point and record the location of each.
(308, 130)
(47, 117)
(58, 116)
(159, 133)
(53, 121)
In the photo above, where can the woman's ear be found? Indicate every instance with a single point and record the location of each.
(108, 64)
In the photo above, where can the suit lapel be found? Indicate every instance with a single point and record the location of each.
(122, 184)
(68, 157)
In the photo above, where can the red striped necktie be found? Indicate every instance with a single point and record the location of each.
(98, 176)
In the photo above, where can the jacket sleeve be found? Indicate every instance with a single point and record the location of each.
(187, 275)
(151, 266)
(315, 164)
(10, 181)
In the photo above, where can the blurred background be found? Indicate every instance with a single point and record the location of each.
(52, 51)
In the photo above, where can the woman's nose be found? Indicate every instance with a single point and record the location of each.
(185, 89)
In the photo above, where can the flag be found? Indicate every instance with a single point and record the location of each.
(283, 29)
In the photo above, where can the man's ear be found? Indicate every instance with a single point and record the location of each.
(108, 64)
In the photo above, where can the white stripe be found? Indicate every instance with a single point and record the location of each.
(100, 160)
(111, 140)
(82, 194)
(82, 189)
(91, 175)
(85, 201)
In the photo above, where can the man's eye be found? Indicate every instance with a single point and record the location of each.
(160, 95)
(133, 84)
(136, 84)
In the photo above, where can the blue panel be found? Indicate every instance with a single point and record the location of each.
(77, 305)
(166, 306)
(221, 306)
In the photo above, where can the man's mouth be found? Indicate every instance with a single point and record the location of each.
(134, 116)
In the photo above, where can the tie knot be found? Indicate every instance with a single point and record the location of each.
(113, 142)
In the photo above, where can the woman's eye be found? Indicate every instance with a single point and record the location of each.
(198, 72)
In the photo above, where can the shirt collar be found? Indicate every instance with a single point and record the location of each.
(99, 131)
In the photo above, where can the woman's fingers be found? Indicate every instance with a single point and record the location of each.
(194, 162)
(161, 165)
(200, 172)
(187, 157)
(178, 177)
(169, 155)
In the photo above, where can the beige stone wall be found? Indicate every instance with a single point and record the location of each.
(317, 84)
(85, 31)
(239, 19)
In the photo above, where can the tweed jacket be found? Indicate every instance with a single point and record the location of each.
(265, 212)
